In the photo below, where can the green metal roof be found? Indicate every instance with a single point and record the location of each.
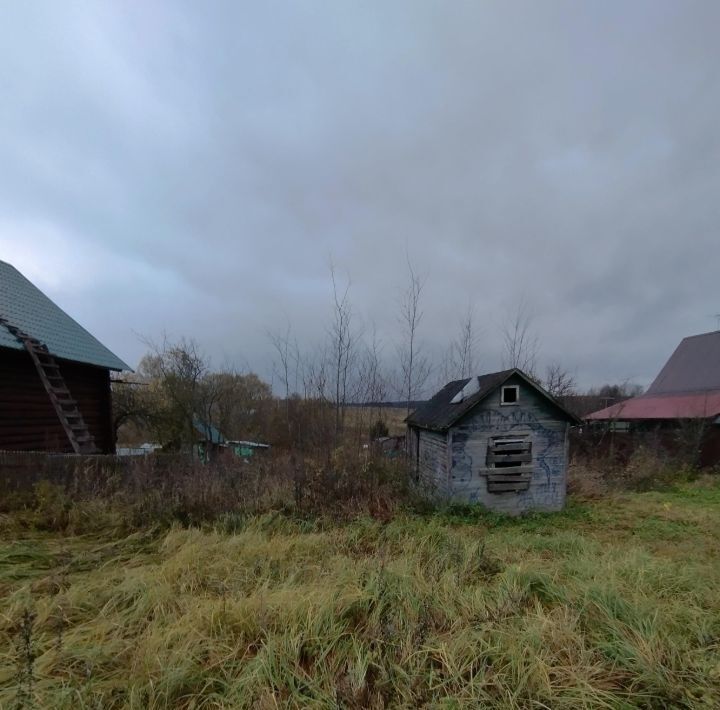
(211, 433)
(26, 307)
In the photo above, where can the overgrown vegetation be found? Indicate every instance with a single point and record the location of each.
(318, 395)
(613, 603)
(132, 494)
(640, 461)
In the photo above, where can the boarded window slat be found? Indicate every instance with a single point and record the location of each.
(509, 478)
(509, 458)
(509, 462)
(509, 471)
(508, 487)
(511, 445)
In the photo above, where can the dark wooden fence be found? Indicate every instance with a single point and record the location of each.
(692, 443)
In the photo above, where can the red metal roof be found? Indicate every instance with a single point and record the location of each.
(696, 405)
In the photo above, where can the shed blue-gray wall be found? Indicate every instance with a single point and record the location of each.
(454, 463)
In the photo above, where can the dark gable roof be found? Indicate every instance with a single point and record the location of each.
(693, 367)
(439, 414)
(26, 307)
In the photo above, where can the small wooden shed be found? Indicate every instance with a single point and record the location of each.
(54, 375)
(209, 440)
(498, 439)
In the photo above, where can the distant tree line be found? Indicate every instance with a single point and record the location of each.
(175, 384)
(175, 389)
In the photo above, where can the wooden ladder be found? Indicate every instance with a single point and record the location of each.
(65, 406)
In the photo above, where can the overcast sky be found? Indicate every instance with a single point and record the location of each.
(192, 167)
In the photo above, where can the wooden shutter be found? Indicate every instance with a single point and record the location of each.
(510, 462)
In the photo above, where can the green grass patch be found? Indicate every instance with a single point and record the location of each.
(612, 603)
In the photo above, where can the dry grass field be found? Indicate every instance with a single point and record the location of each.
(613, 603)
(361, 418)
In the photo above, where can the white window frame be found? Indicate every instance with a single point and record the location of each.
(503, 403)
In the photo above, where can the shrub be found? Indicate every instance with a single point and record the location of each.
(378, 430)
(156, 491)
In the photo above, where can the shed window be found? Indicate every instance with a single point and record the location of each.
(510, 459)
(509, 394)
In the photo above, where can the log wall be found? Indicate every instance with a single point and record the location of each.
(28, 421)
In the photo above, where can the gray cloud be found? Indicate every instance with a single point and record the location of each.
(192, 168)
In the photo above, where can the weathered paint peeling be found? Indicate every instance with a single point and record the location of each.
(455, 462)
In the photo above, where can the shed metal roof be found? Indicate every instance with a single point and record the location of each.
(438, 413)
(248, 444)
(698, 405)
(211, 433)
(25, 306)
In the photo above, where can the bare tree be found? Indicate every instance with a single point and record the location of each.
(234, 402)
(177, 370)
(371, 386)
(182, 398)
(609, 394)
(372, 378)
(211, 391)
(414, 365)
(521, 344)
(343, 348)
(282, 344)
(298, 365)
(130, 401)
(466, 344)
(315, 366)
(558, 381)
(461, 357)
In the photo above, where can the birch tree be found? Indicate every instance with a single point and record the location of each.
(461, 359)
(414, 365)
(343, 342)
(521, 344)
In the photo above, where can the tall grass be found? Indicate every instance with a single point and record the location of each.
(612, 604)
(340, 484)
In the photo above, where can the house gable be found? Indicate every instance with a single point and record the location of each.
(539, 481)
(441, 412)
